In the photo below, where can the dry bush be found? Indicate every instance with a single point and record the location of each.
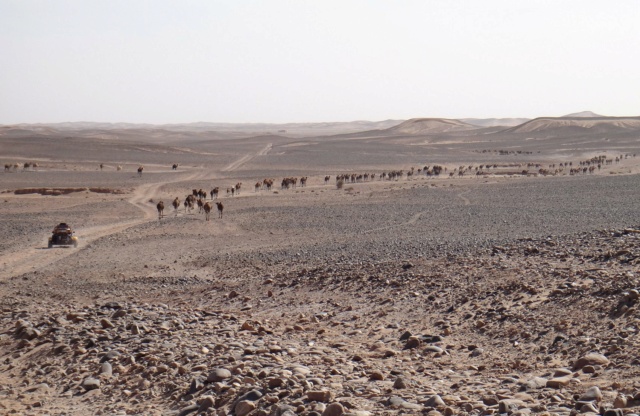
(48, 191)
(340, 184)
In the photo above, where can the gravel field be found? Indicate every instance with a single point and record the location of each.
(500, 293)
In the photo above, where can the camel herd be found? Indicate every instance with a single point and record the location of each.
(197, 197)
(13, 167)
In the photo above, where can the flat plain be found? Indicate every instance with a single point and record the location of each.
(507, 283)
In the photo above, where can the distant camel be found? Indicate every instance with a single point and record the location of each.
(119, 168)
(175, 166)
(140, 169)
(258, 185)
(176, 205)
(160, 207)
(238, 186)
(101, 166)
(200, 205)
(26, 165)
(7, 167)
(207, 210)
(326, 179)
(220, 208)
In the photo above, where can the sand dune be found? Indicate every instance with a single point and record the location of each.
(430, 126)
(584, 114)
(493, 122)
(559, 125)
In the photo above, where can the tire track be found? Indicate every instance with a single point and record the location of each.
(464, 199)
(35, 258)
(247, 158)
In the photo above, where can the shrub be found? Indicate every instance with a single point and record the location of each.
(340, 184)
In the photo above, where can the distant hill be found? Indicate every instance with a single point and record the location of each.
(562, 125)
(493, 122)
(320, 128)
(584, 114)
(430, 126)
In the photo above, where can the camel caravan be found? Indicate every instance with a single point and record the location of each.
(199, 197)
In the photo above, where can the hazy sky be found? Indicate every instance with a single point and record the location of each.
(296, 61)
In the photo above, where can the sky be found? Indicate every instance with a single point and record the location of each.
(282, 61)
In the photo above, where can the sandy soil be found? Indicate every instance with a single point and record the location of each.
(498, 292)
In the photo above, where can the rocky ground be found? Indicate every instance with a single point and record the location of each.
(535, 326)
(471, 296)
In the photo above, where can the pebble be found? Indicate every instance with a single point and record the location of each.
(591, 359)
(106, 369)
(434, 401)
(90, 383)
(333, 409)
(218, 374)
(535, 383)
(205, 403)
(399, 383)
(592, 394)
(320, 396)
(106, 324)
(558, 382)
(244, 407)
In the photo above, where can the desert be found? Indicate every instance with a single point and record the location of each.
(425, 266)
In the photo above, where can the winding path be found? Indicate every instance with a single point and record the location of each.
(31, 258)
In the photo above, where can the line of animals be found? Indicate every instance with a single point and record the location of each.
(189, 205)
(435, 170)
(8, 167)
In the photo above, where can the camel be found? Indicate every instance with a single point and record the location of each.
(140, 169)
(189, 203)
(238, 186)
(214, 193)
(175, 166)
(200, 205)
(326, 179)
(288, 182)
(176, 204)
(26, 165)
(207, 210)
(258, 185)
(119, 168)
(303, 181)
(160, 207)
(101, 166)
(220, 208)
(7, 167)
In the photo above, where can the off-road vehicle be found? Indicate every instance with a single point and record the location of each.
(62, 235)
